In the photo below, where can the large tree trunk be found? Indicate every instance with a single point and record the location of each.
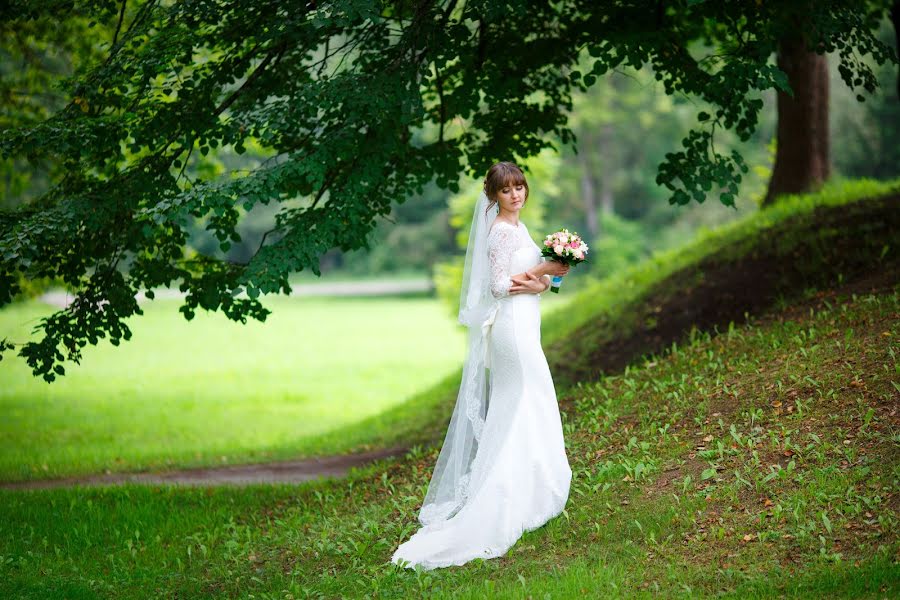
(802, 158)
(589, 197)
(895, 19)
(607, 145)
(588, 192)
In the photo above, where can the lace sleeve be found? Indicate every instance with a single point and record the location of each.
(501, 245)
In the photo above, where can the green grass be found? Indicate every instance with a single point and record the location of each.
(316, 377)
(759, 462)
(766, 259)
(211, 391)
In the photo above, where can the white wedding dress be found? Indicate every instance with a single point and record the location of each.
(526, 482)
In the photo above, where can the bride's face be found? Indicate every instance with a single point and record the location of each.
(511, 197)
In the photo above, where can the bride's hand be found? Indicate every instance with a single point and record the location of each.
(531, 283)
(552, 267)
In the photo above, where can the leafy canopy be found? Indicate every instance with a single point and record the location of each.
(361, 104)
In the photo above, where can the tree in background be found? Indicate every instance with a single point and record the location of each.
(868, 138)
(335, 91)
(802, 158)
(625, 124)
(37, 55)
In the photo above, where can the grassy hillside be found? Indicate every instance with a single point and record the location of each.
(756, 462)
(760, 461)
(848, 229)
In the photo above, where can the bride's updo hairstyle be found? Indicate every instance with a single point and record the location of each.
(501, 175)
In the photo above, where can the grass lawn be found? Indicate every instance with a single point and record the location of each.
(212, 391)
(758, 462)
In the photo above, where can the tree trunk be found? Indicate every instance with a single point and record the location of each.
(895, 19)
(588, 194)
(606, 192)
(802, 157)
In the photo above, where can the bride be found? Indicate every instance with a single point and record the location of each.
(502, 469)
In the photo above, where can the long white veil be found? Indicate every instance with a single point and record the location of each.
(449, 487)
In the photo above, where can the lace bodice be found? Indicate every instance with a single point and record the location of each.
(504, 240)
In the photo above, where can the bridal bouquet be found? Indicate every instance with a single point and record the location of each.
(566, 248)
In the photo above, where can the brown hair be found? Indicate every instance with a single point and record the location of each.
(499, 176)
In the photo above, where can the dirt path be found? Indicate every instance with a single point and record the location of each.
(292, 471)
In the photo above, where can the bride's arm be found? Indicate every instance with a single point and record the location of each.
(501, 245)
(523, 276)
(541, 269)
(538, 269)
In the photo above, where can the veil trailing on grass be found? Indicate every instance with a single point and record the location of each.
(449, 487)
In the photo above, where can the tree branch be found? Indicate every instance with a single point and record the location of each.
(118, 26)
(439, 84)
(895, 19)
(276, 54)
